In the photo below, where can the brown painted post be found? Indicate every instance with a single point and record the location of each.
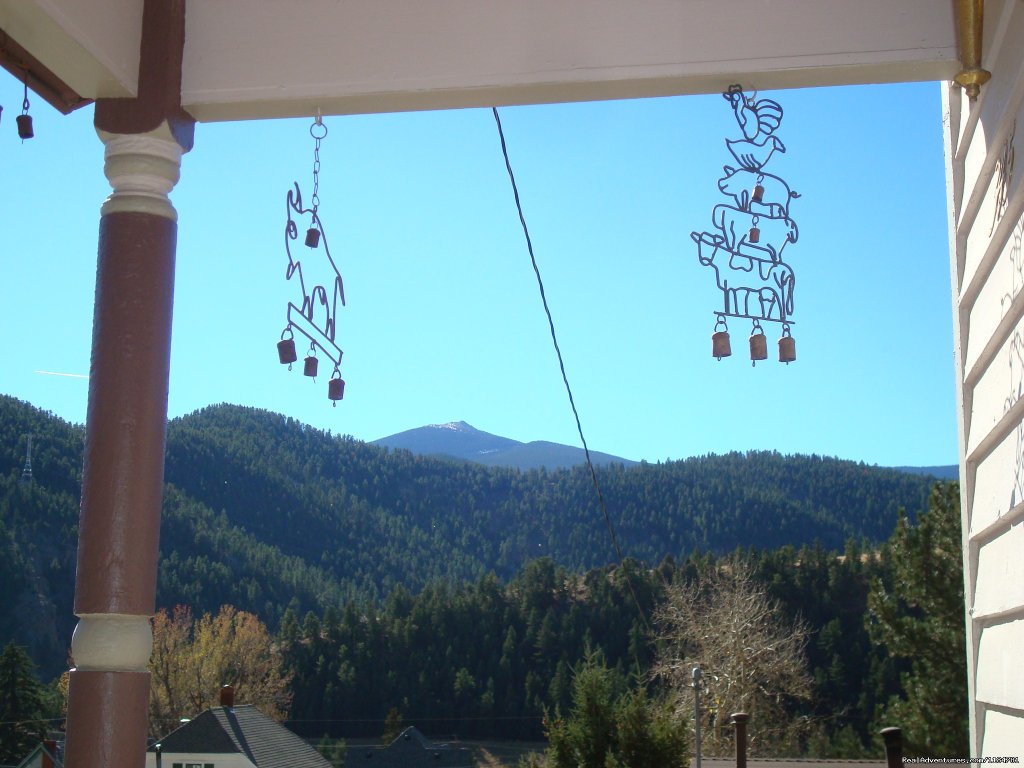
(893, 738)
(122, 477)
(739, 720)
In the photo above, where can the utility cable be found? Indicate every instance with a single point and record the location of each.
(565, 378)
(34, 720)
(409, 719)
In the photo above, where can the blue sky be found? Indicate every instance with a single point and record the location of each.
(444, 321)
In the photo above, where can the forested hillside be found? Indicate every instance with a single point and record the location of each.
(415, 652)
(265, 513)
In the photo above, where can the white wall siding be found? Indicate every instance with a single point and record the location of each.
(996, 488)
(999, 299)
(1000, 673)
(999, 582)
(986, 198)
(999, 389)
(1002, 734)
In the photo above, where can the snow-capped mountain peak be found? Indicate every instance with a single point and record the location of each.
(455, 426)
(457, 439)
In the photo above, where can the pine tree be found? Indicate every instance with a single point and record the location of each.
(921, 618)
(22, 708)
(609, 727)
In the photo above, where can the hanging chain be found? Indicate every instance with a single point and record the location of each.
(326, 296)
(318, 131)
(24, 120)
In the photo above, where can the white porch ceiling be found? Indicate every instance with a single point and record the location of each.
(92, 45)
(247, 59)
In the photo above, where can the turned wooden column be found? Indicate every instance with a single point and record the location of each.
(122, 477)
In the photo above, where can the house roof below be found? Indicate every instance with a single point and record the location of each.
(241, 730)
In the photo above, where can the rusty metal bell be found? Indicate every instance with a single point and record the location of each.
(758, 347)
(309, 366)
(336, 389)
(312, 237)
(754, 236)
(25, 127)
(286, 351)
(720, 346)
(758, 194)
(787, 349)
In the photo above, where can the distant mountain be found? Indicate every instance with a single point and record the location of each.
(950, 472)
(459, 440)
(456, 439)
(266, 513)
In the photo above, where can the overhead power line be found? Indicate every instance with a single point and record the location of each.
(565, 378)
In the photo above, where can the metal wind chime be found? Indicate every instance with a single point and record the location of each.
(750, 232)
(319, 282)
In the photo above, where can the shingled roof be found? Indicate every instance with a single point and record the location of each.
(241, 730)
(409, 750)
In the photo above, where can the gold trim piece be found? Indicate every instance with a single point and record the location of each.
(969, 28)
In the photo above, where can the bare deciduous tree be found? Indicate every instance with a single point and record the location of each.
(752, 660)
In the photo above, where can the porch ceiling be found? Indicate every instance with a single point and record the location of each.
(248, 59)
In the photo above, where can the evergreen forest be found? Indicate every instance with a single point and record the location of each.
(464, 598)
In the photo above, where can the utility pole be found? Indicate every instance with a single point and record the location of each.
(696, 715)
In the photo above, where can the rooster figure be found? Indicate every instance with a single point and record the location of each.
(758, 121)
(748, 233)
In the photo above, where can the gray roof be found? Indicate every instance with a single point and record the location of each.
(35, 758)
(246, 730)
(408, 750)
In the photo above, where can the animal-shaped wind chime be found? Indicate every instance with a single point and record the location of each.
(750, 233)
(320, 285)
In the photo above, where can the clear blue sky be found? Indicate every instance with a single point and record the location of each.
(444, 321)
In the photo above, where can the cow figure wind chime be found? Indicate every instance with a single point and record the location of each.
(319, 282)
(750, 233)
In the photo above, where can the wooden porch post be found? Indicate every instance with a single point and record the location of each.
(122, 479)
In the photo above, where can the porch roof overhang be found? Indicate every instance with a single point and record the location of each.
(282, 58)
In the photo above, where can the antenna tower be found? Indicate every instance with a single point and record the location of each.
(26, 472)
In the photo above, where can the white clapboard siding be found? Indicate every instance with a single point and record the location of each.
(986, 199)
(1002, 733)
(1000, 302)
(999, 585)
